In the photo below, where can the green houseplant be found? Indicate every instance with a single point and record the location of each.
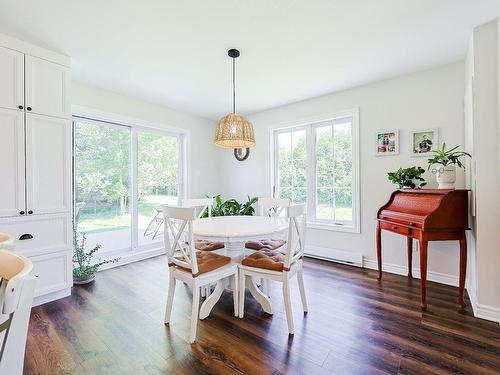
(84, 268)
(408, 177)
(446, 162)
(232, 207)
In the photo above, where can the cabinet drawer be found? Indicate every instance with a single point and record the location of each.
(50, 233)
(396, 228)
(53, 272)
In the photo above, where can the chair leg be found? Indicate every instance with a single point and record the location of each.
(194, 313)
(170, 297)
(288, 305)
(236, 290)
(241, 307)
(300, 279)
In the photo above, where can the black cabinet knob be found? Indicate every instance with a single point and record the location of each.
(25, 236)
(28, 108)
(30, 212)
(21, 212)
(20, 107)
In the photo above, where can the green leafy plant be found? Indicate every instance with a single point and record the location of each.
(232, 207)
(447, 157)
(83, 265)
(408, 177)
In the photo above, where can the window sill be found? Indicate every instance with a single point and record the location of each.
(334, 227)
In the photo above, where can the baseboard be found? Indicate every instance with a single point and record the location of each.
(49, 297)
(486, 312)
(131, 257)
(397, 269)
(334, 255)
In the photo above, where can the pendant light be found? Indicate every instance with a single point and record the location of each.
(233, 130)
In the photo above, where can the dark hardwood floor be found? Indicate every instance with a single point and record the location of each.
(354, 326)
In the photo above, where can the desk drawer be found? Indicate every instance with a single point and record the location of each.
(396, 228)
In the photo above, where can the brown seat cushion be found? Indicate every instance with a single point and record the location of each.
(269, 260)
(265, 244)
(208, 245)
(208, 261)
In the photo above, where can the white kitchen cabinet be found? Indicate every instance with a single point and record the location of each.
(11, 79)
(47, 88)
(12, 186)
(48, 142)
(35, 162)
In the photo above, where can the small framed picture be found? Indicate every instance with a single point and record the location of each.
(387, 143)
(424, 141)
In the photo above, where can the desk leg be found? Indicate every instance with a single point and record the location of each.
(409, 246)
(463, 269)
(423, 272)
(379, 251)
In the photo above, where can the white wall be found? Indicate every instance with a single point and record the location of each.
(203, 174)
(482, 136)
(429, 99)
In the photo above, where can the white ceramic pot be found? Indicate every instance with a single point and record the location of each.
(446, 176)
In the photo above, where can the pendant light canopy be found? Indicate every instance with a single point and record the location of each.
(234, 130)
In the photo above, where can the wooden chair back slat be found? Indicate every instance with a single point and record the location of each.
(296, 234)
(200, 203)
(179, 241)
(272, 207)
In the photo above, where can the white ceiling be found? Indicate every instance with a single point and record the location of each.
(174, 52)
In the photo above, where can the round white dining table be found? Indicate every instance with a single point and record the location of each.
(234, 231)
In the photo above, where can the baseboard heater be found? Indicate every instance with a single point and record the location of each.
(334, 255)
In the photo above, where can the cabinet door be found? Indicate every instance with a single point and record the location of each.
(48, 155)
(11, 79)
(47, 88)
(11, 162)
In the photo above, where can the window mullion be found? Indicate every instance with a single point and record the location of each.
(333, 175)
(311, 172)
(135, 189)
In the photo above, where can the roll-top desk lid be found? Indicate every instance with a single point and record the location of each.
(427, 209)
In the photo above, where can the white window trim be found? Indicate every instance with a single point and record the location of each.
(309, 126)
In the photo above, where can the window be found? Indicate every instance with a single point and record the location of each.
(316, 164)
(122, 176)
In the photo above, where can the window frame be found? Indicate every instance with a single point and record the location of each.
(310, 127)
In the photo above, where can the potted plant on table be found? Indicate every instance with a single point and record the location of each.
(84, 269)
(445, 162)
(408, 178)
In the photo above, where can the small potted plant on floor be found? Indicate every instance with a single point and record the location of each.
(408, 177)
(444, 164)
(84, 269)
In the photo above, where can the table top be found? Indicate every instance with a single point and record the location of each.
(242, 228)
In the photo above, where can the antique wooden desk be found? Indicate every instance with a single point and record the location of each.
(426, 215)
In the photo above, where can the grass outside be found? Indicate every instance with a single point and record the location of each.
(109, 218)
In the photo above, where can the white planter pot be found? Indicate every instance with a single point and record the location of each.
(446, 176)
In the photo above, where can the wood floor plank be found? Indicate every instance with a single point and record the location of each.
(355, 325)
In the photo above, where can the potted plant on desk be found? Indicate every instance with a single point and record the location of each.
(409, 178)
(445, 162)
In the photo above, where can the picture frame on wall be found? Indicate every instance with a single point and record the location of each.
(424, 141)
(387, 143)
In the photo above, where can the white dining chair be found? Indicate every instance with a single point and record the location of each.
(274, 265)
(195, 268)
(202, 205)
(16, 297)
(270, 207)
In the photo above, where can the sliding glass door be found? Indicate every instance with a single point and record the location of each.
(157, 182)
(123, 175)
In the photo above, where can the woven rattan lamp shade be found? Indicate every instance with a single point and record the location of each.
(234, 131)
